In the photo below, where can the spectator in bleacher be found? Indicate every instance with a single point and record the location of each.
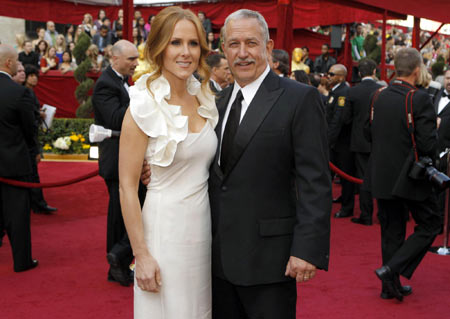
(80, 30)
(100, 16)
(306, 59)
(50, 33)
(60, 46)
(20, 40)
(280, 62)
(118, 35)
(107, 22)
(49, 61)
(357, 43)
(119, 16)
(69, 33)
(41, 49)
(67, 64)
(137, 37)
(205, 22)
(41, 34)
(19, 78)
(213, 43)
(324, 61)
(220, 72)
(300, 76)
(92, 54)
(28, 56)
(88, 25)
(137, 15)
(140, 25)
(107, 56)
(71, 46)
(103, 38)
(148, 25)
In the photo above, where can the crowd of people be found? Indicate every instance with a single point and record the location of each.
(219, 185)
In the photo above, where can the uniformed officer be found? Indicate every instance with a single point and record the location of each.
(339, 134)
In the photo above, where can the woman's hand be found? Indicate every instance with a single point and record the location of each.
(148, 275)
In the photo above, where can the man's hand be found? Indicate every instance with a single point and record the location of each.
(300, 270)
(146, 173)
(438, 122)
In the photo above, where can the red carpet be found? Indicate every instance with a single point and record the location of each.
(70, 281)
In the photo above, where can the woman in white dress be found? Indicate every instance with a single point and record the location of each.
(170, 123)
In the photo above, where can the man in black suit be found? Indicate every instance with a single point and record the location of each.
(357, 112)
(17, 126)
(269, 185)
(28, 56)
(339, 134)
(110, 100)
(103, 38)
(324, 61)
(442, 107)
(220, 72)
(390, 164)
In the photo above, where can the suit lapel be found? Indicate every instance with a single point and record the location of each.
(262, 103)
(222, 103)
(437, 100)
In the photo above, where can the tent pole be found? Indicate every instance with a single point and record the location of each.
(432, 36)
(128, 12)
(416, 33)
(348, 60)
(383, 47)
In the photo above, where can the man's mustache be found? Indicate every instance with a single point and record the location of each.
(239, 60)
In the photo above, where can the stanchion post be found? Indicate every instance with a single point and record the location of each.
(444, 249)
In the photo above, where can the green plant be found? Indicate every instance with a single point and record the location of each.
(77, 130)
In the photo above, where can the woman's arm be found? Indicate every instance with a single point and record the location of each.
(133, 144)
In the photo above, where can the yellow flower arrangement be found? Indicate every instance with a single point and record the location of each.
(47, 147)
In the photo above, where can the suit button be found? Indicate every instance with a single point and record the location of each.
(224, 188)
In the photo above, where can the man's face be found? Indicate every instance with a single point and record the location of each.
(324, 50)
(201, 16)
(127, 61)
(27, 47)
(447, 81)
(222, 73)
(335, 76)
(359, 30)
(51, 26)
(103, 32)
(19, 78)
(32, 80)
(245, 50)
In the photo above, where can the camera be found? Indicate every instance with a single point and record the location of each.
(423, 169)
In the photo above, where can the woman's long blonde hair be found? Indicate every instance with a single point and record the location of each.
(160, 35)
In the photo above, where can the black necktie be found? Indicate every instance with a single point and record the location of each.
(445, 95)
(125, 79)
(230, 130)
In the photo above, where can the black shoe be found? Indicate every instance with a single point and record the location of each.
(337, 199)
(34, 264)
(44, 209)
(361, 221)
(116, 272)
(341, 214)
(387, 278)
(404, 290)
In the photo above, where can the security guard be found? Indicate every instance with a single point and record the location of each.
(339, 135)
(403, 132)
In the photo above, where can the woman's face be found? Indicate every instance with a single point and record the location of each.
(101, 14)
(66, 57)
(79, 29)
(182, 54)
(135, 32)
(210, 37)
(41, 33)
(86, 19)
(51, 52)
(71, 46)
(141, 21)
(42, 46)
(70, 30)
(59, 40)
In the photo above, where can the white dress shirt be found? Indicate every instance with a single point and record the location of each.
(6, 74)
(126, 86)
(443, 102)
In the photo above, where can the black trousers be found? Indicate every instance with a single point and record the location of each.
(37, 196)
(117, 240)
(15, 216)
(365, 196)
(345, 162)
(403, 256)
(271, 301)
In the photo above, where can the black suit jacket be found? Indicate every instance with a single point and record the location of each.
(276, 199)
(357, 113)
(444, 127)
(339, 131)
(17, 127)
(110, 100)
(392, 154)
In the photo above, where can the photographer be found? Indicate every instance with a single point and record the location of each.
(399, 147)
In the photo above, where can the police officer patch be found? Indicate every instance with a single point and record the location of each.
(341, 101)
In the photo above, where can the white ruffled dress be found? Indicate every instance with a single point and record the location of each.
(176, 212)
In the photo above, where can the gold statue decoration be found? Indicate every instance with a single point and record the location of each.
(143, 67)
(297, 63)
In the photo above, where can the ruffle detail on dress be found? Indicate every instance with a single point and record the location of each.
(163, 122)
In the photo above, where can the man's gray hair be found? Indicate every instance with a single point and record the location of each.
(248, 14)
(406, 61)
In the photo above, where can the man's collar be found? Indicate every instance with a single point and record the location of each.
(117, 73)
(250, 89)
(336, 86)
(367, 78)
(3, 72)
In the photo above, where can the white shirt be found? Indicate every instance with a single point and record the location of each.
(443, 102)
(248, 92)
(122, 77)
(335, 87)
(367, 78)
(216, 85)
(6, 74)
